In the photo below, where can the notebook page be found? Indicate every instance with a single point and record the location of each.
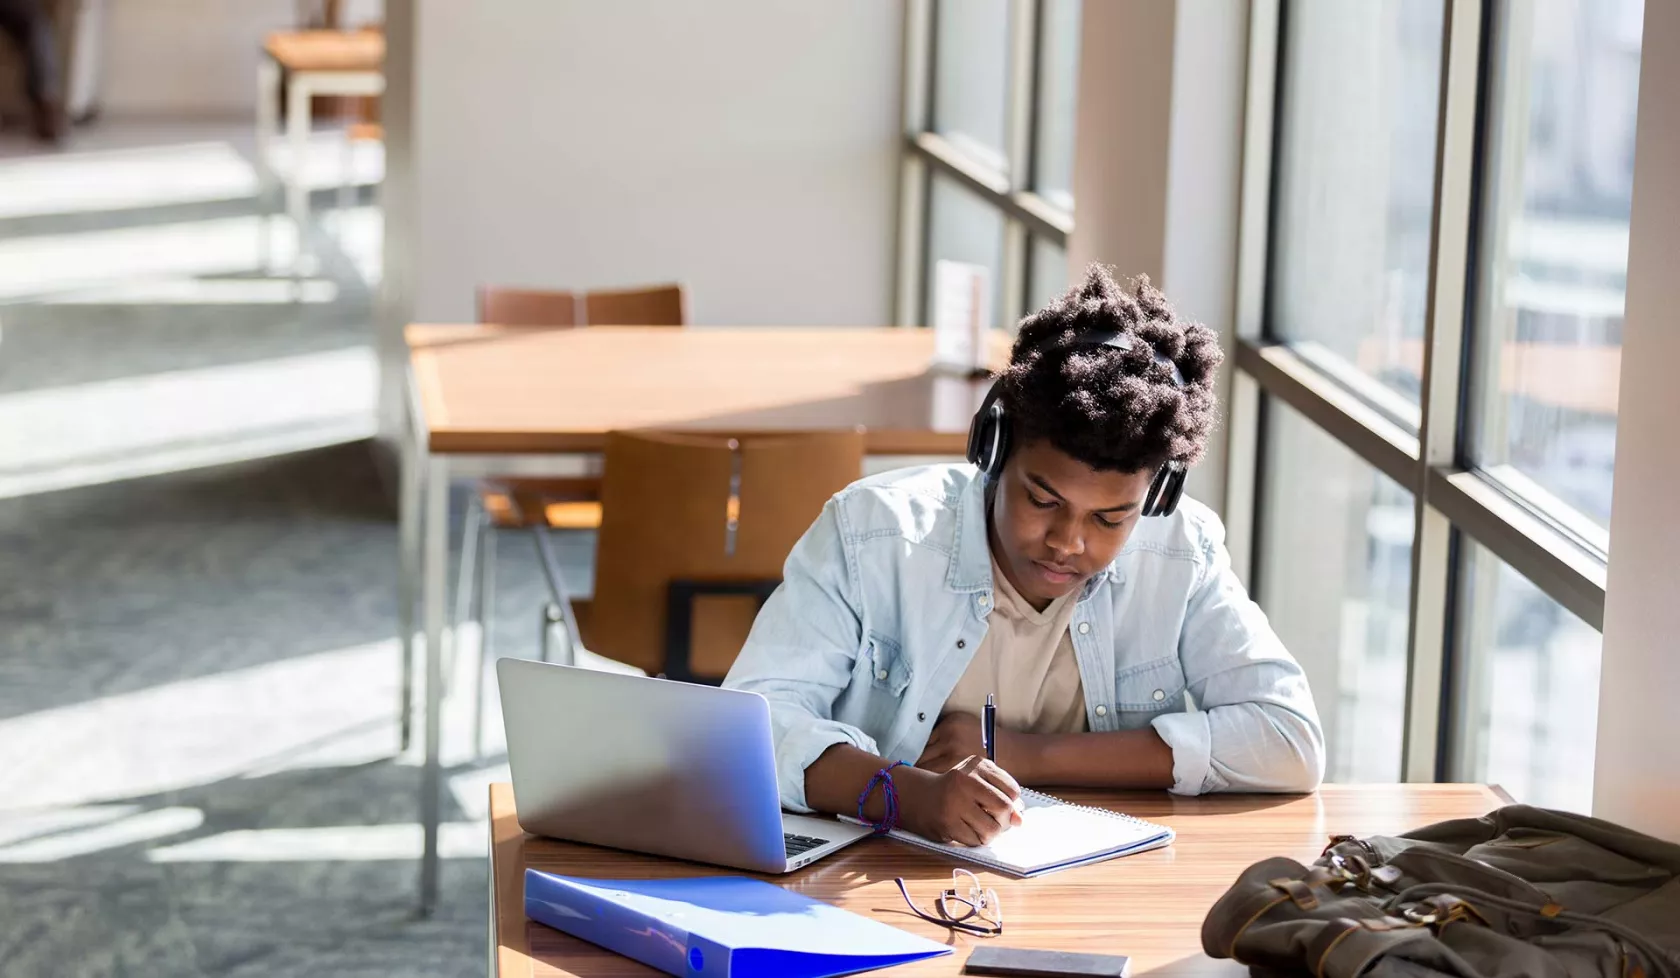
(1053, 832)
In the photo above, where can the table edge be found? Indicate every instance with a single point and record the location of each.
(512, 951)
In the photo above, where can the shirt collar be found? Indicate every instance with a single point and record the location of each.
(971, 557)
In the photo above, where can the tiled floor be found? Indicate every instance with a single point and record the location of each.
(199, 768)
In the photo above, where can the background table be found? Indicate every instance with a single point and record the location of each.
(489, 400)
(1149, 906)
(314, 63)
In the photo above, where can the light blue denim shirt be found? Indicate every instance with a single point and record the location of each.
(885, 599)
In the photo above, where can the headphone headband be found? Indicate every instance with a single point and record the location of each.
(1126, 341)
(989, 433)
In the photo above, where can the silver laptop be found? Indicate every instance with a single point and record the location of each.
(655, 766)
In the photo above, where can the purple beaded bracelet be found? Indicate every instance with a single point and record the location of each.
(889, 819)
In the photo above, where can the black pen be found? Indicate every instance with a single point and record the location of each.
(988, 728)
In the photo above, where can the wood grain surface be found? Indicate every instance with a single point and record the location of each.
(493, 390)
(1149, 906)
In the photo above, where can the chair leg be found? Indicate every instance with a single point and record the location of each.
(486, 614)
(463, 586)
(346, 173)
(549, 617)
(559, 609)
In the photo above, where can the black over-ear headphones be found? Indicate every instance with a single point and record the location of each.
(989, 436)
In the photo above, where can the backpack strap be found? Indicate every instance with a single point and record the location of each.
(1346, 947)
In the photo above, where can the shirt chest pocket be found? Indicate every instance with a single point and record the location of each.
(887, 666)
(1150, 688)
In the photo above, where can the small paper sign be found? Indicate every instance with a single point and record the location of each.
(962, 314)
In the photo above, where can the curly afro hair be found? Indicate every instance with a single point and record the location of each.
(1113, 409)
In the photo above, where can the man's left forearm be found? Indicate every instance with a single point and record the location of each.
(1117, 759)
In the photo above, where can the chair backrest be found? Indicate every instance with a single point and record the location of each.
(526, 307)
(666, 505)
(660, 305)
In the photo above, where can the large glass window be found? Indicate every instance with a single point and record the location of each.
(1048, 277)
(1058, 75)
(971, 77)
(1555, 238)
(1528, 688)
(1355, 185)
(962, 228)
(1461, 172)
(989, 153)
(1335, 580)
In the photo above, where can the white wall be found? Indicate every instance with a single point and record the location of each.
(192, 58)
(1636, 778)
(1156, 179)
(747, 148)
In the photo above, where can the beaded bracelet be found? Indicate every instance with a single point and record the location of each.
(889, 818)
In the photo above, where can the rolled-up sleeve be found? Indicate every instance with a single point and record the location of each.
(1256, 728)
(801, 652)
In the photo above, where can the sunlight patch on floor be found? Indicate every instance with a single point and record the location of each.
(167, 175)
(202, 291)
(41, 265)
(338, 843)
(103, 431)
(128, 830)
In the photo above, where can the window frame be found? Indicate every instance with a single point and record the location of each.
(1453, 500)
(1027, 215)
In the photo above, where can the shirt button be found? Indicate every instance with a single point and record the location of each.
(1084, 628)
(984, 600)
(882, 675)
(1102, 711)
(961, 644)
(1160, 695)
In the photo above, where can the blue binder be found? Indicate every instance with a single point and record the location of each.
(719, 926)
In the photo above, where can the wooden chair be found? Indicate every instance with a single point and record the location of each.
(566, 504)
(661, 305)
(528, 307)
(694, 534)
(540, 505)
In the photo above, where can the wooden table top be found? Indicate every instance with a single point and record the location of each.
(327, 50)
(1149, 906)
(499, 390)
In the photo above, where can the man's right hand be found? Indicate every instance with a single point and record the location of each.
(971, 804)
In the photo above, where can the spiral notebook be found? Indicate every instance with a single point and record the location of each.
(1055, 835)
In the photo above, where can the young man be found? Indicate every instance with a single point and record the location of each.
(1121, 649)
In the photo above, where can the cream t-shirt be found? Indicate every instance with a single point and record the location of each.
(1027, 661)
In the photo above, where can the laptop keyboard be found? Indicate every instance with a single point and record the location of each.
(799, 844)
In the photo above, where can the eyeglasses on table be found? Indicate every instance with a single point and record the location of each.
(966, 905)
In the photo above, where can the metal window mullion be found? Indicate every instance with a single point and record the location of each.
(1555, 563)
(1013, 294)
(918, 54)
(992, 186)
(911, 287)
(1017, 139)
(1023, 55)
(1046, 220)
(1503, 159)
(1319, 398)
(1442, 384)
(916, 112)
(1242, 412)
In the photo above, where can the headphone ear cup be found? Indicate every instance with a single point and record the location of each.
(1173, 490)
(988, 435)
(1000, 443)
(1157, 490)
